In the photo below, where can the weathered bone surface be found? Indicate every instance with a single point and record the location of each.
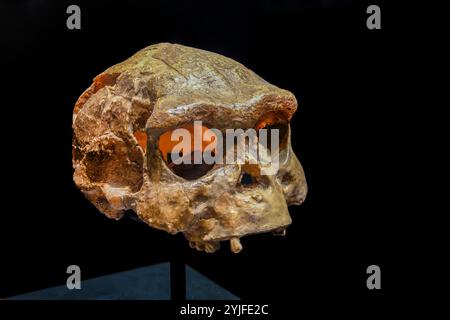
(119, 167)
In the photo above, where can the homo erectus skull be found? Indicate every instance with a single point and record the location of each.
(121, 164)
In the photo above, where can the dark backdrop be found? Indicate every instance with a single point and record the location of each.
(341, 74)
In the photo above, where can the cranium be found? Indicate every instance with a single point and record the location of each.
(119, 165)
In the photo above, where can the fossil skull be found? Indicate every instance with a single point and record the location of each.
(117, 152)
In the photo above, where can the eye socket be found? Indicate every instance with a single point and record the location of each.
(283, 130)
(273, 121)
(190, 171)
(182, 149)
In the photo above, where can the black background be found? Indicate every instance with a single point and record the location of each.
(342, 74)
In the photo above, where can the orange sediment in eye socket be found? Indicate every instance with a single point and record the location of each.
(141, 138)
(269, 119)
(166, 144)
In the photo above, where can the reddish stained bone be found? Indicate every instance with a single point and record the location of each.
(141, 138)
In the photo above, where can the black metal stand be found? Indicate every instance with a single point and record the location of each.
(177, 271)
(177, 265)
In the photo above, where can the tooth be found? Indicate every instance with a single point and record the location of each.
(211, 247)
(235, 245)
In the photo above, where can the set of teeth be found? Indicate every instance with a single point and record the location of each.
(213, 246)
(235, 243)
